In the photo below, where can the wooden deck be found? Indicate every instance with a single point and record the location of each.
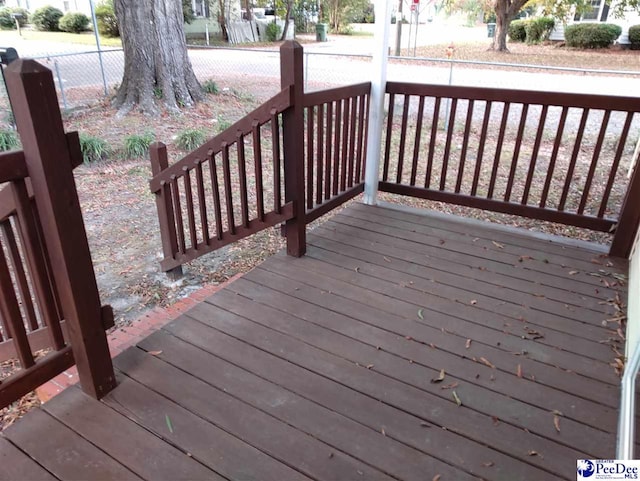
(401, 347)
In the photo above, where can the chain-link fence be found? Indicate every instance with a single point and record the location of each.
(90, 77)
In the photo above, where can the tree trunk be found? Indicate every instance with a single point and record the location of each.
(399, 28)
(156, 60)
(287, 20)
(502, 27)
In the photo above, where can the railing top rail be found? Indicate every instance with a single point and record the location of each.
(340, 93)
(262, 114)
(12, 166)
(560, 99)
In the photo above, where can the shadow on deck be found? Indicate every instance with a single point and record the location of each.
(402, 346)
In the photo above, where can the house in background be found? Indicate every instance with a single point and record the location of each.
(601, 11)
(82, 6)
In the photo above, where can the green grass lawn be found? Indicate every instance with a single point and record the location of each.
(8, 37)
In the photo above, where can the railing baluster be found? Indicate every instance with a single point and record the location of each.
(534, 154)
(366, 136)
(516, 152)
(175, 192)
(20, 274)
(310, 184)
(191, 215)
(257, 162)
(496, 160)
(10, 311)
(416, 142)
(327, 162)
(242, 172)
(336, 152)
(403, 137)
(359, 156)
(574, 158)
(228, 194)
(554, 156)
(320, 154)
(202, 206)
(432, 142)
(387, 143)
(481, 142)
(616, 162)
(352, 141)
(594, 161)
(346, 121)
(277, 181)
(215, 188)
(465, 145)
(447, 146)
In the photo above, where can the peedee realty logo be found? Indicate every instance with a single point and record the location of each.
(610, 469)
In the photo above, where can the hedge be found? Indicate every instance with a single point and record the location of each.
(538, 29)
(634, 37)
(591, 35)
(47, 18)
(74, 22)
(517, 30)
(7, 22)
(107, 21)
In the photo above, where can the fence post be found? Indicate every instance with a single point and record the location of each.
(48, 162)
(629, 219)
(164, 204)
(292, 75)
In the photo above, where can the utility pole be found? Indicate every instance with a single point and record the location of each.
(399, 27)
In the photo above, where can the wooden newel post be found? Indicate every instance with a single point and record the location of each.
(292, 75)
(164, 204)
(49, 164)
(629, 220)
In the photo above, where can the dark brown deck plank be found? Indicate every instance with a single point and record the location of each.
(133, 446)
(399, 300)
(279, 440)
(213, 447)
(62, 452)
(368, 411)
(352, 373)
(14, 465)
(460, 367)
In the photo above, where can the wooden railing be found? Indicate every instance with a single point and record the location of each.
(302, 154)
(543, 155)
(48, 295)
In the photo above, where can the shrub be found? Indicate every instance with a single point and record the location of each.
(223, 124)
(591, 35)
(107, 21)
(538, 29)
(190, 139)
(517, 30)
(8, 140)
(8, 22)
(210, 87)
(634, 37)
(93, 148)
(137, 146)
(47, 18)
(273, 32)
(74, 22)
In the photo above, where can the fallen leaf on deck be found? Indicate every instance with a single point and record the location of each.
(357, 269)
(488, 464)
(486, 362)
(524, 258)
(425, 425)
(456, 398)
(497, 244)
(386, 259)
(420, 315)
(474, 302)
(556, 423)
(467, 344)
(436, 477)
(573, 273)
(369, 366)
(383, 432)
(449, 386)
(169, 425)
(519, 371)
(440, 378)
(533, 453)
(557, 413)
(155, 353)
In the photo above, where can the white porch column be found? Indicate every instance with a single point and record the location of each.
(378, 85)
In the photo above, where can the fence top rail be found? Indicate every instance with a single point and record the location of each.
(340, 93)
(244, 126)
(12, 166)
(560, 99)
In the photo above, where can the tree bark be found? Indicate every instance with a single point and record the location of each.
(287, 20)
(156, 59)
(506, 11)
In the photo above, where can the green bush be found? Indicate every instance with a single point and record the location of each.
(273, 32)
(517, 30)
(634, 37)
(74, 22)
(8, 140)
(46, 18)
(591, 35)
(107, 21)
(538, 29)
(93, 148)
(190, 139)
(137, 146)
(210, 87)
(7, 22)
